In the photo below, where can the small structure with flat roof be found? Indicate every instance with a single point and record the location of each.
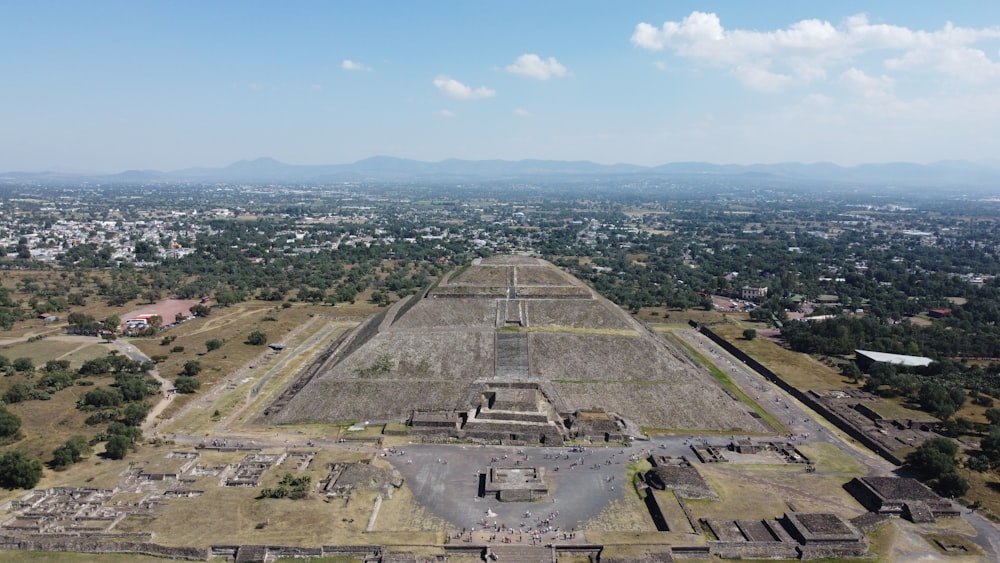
(512, 484)
(866, 358)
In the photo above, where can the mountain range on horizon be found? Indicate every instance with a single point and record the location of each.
(392, 169)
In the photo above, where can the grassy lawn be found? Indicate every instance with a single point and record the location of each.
(831, 459)
(800, 370)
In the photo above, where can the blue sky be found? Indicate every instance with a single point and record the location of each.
(104, 86)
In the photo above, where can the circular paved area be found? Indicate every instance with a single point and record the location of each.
(445, 479)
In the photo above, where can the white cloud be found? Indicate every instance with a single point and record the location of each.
(446, 113)
(531, 65)
(807, 50)
(761, 79)
(868, 86)
(348, 64)
(455, 89)
(521, 112)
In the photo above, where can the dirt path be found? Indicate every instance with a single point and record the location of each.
(208, 399)
(214, 322)
(304, 349)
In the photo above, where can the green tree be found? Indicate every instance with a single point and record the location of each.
(10, 425)
(18, 471)
(933, 458)
(134, 387)
(185, 384)
(214, 344)
(135, 413)
(191, 368)
(993, 415)
(950, 484)
(201, 310)
(749, 334)
(73, 451)
(56, 365)
(100, 398)
(257, 338)
(990, 445)
(117, 446)
(16, 393)
(24, 365)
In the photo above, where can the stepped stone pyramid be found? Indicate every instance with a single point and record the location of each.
(507, 341)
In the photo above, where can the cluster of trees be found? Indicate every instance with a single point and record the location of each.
(291, 487)
(120, 438)
(187, 381)
(75, 450)
(55, 376)
(18, 471)
(935, 461)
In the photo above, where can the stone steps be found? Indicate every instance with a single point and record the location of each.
(521, 553)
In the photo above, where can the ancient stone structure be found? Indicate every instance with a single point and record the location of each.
(510, 349)
(515, 483)
(677, 474)
(796, 535)
(745, 450)
(904, 497)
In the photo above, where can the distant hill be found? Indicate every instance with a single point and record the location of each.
(391, 169)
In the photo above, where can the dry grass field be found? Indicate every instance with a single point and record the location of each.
(247, 518)
(595, 355)
(17, 556)
(764, 491)
(77, 350)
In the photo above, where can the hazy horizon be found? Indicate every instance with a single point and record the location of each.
(115, 86)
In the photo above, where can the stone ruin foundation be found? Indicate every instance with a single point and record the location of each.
(514, 484)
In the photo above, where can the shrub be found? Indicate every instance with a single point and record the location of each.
(177, 349)
(185, 384)
(257, 338)
(73, 451)
(214, 344)
(24, 365)
(290, 487)
(99, 398)
(191, 368)
(16, 393)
